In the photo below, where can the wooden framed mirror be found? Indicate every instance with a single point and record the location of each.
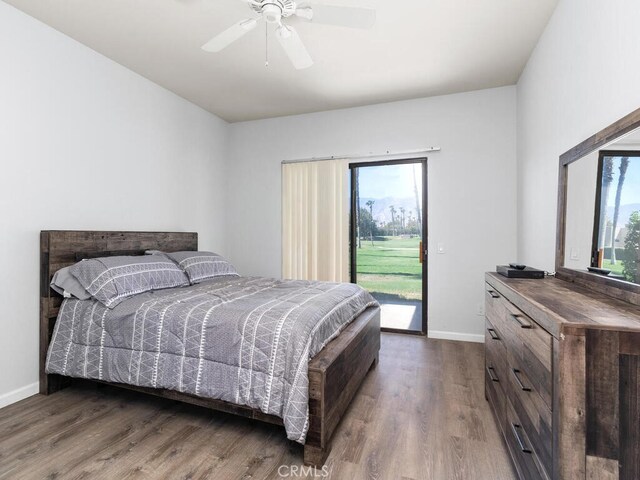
(598, 230)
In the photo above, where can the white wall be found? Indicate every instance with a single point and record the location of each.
(87, 144)
(471, 187)
(583, 75)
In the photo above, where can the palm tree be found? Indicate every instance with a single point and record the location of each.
(393, 218)
(415, 191)
(357, 220)
(607, 178)
(370, 205)
(402, 210)
(624, 164)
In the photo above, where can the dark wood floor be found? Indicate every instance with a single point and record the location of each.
(420, 415)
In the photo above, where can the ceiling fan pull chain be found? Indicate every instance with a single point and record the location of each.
(266, 44)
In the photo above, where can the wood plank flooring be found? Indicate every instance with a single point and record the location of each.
(421, 414)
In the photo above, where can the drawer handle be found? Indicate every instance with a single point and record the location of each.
(493, 294)
(516, 374)
(516, 429)
(493, 334)
(492, 376)
(523, 323)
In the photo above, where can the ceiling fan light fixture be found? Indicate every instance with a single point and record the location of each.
(272, 13)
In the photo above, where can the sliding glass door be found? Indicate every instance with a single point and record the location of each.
(388, 239)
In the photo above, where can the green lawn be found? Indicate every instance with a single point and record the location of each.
(391, 267)
(617, 268)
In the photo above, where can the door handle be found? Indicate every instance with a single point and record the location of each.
(421, 254)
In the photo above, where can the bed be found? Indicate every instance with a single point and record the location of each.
(334, 373)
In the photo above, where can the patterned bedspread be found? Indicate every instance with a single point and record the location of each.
(245, 340)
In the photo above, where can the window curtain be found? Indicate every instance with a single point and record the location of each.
(315, 220)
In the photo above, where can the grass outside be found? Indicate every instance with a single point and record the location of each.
(391, 268)
(617, 268)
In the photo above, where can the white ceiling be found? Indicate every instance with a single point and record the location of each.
(418, 48)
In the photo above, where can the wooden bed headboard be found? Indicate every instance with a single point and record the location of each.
(61, 248)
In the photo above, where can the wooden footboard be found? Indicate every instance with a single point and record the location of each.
(335, 375)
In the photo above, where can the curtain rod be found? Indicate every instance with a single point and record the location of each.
(387, 156)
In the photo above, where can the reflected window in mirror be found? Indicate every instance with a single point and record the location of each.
(616, 233)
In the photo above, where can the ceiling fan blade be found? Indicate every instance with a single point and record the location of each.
(293, 47)
(351, 17)
(230, 35)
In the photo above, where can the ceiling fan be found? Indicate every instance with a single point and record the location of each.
(275, 11)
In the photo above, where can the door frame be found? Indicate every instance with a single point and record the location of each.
(424, 233)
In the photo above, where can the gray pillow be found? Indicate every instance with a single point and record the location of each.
(112, 279)
(201, 266)
(68, 286)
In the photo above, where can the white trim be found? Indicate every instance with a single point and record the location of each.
(18, 394)
(461, 337)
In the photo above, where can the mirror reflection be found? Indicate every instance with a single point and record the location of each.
(602, 230)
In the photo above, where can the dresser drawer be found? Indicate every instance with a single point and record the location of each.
(533, 415)
(495, 347)
(530, 347)
(498, 313)
(494, 308)
(495, 385)
(527, 462)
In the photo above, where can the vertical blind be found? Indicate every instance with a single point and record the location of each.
(315, 220)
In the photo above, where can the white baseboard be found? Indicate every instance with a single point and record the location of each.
(461, 337)
(18, 394)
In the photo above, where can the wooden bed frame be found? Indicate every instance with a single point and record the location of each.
(335, 374)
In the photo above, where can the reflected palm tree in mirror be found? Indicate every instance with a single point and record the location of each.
(624, 164)
(607, 179)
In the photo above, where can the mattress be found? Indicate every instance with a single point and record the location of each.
(245, 340)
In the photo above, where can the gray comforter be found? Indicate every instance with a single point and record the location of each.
(245, 340)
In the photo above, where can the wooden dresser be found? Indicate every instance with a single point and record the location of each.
(562, 369)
